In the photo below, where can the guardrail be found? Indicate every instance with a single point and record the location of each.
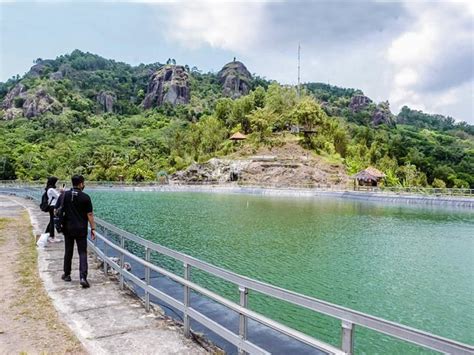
(349, 318)
(455, 192)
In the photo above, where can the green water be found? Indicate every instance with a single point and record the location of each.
(409, 264)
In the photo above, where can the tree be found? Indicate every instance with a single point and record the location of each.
(309, 114)
(261, 122)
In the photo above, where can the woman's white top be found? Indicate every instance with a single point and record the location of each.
(53, 196)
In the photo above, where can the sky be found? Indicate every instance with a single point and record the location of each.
(415, 53)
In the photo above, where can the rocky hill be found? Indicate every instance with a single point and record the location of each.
(81, 113)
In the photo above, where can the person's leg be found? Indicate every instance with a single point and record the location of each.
(69, 251)
(82, 250)
(48, 227)
(51, 222)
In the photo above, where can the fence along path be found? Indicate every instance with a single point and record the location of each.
(349, 318)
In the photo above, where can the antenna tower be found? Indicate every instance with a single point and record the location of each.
(298, 89)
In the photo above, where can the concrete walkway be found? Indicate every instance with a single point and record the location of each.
(105, 319)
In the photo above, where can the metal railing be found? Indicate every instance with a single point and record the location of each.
(349, 318)
(399, 190)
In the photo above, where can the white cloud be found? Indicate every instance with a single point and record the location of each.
(432, 61)
(226, 25)
(428, 45)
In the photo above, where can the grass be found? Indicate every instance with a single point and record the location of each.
(3, 223)
(33, 302)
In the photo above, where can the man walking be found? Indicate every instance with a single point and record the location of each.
(77, 209)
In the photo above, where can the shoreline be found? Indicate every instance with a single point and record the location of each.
(301, 192)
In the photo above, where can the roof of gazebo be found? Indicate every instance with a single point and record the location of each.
(370, 173)
(238, 136)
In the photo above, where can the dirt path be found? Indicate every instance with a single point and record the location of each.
(28, 321)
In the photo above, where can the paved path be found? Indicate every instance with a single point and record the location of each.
(105, 319)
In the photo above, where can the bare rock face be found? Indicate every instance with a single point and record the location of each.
(214, 171)
(106, 100)
(359, 102)
(57, 75)
(278, 166)
(235, 79)
(39, 103)
(22, 102)
(37, 70)
(19, 90)
(169, 84)
(383, 115)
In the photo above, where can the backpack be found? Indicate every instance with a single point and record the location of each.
(44, 205)
(58, 218)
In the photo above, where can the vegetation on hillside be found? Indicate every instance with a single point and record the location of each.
(140, 144)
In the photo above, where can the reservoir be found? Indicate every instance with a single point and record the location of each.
(412, 264)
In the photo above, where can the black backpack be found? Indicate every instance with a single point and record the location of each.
(44, 205)
(58, 218)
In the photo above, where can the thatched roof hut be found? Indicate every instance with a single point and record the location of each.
(369, 177)
(238, 137)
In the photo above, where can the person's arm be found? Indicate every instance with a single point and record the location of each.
(90, 217)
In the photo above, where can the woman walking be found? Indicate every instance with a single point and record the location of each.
(53, 195)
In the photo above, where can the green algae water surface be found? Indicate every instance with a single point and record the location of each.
(410, 264)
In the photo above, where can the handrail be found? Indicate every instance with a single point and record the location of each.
(393, 329)
(459, 192)
(348, 317)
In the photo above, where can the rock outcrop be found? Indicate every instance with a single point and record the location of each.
(235, 79)
(383, 115)
(169, 84)
(281, 166)
(57, 75)
(19, 90)
(106, 100)
(359, 102)
(214, 171)
(22, 102)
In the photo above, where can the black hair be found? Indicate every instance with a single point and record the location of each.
(51, 183)
(77, 179)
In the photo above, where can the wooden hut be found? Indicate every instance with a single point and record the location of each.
(238, 137)
(368, 177)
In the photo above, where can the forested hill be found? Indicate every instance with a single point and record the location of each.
(81, 113)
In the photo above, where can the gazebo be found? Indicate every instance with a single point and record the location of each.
(238, 137)
(368, 177)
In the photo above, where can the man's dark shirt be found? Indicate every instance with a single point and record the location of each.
(77, 205)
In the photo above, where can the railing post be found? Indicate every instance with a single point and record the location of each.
(122, 245)
(147, 278)
(243, 321)
(347, 336)
(187, 299)
(95, 247)
(106, 266)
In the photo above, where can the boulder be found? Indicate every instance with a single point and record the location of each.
(19, 90)
(383, 115)
(235, 79)
(28, 103)
(169, 84)
(57, 75)
(106, 100)
(39, 103)
(359, 102)
(37, 70)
